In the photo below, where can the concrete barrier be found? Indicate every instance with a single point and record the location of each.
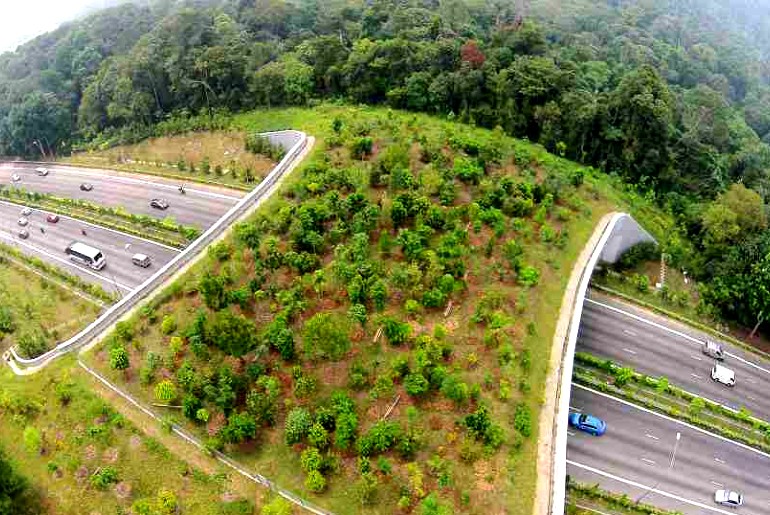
(620, 233)
(293, 141)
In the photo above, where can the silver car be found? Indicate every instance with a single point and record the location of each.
(26, 211)
(713, 349)
(728, 498)
(16, 177)
(23, 221)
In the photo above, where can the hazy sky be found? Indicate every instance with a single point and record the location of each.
(22, 20)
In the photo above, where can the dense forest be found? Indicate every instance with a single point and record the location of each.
(671, 95)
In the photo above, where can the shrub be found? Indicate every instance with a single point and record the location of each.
(119, 358)
(522, 420)
(529, 276)
(454, 389)
(233, 334)
(190, 406)
(240, 427)
(326, 336)
(361, 147)
(262, 400)
(165, 392)
(318, 436)
(104, 478)
(346, 429)
(381, 436)
(366, 488)
(33, 441)
(396, 332)
(280, 337)
(168, 325)
(297, 425)
(277, 506)
(416, 385)
(315, 482)
(311, 459)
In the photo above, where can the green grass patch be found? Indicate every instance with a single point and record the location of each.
(84, 457)
(414, 264)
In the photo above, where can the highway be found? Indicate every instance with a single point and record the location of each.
(119, 276)
(200, 206)
(656, 351)
(635, 455)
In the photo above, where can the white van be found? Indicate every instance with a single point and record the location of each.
(141, 260)
(723, 375)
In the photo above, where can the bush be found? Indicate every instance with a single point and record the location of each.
(311, 459)
(529, 276)
(233, 334)
(165, 392)
(104, 478)
(361, 147)
(454, 389)
(326, 336)
(416, 385)
(240, 427)
(297, 425)
(315, 482)
(119, 358)
(381, 436)
(522, 420)
(318, 436)
(277, 506)
(346, 429)
(33, 440)
(168, 325)
(396, 332)
(639, 253)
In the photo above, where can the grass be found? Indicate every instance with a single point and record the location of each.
(161, 156)
(38, 309)
(59, 446)
(505, 356)
(590, 500)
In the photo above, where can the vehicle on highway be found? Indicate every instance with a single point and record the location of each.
(713, 349)
(52, 218)
(142, 260)
(16, 177)
(728, 498)
(26, 211)
(723, 375)
(159, 203)
(41, 171)
(588, 423)
(86, 254)
(23, 221)
(23, 234)
(86, 186)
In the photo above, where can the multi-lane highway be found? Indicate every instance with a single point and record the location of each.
(200, 206)
(119, 276)
(647, 343)
(640, 452)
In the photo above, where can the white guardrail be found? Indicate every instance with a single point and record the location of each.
(294, 141)
(559, 468)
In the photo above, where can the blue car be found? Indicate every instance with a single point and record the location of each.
(588, 423)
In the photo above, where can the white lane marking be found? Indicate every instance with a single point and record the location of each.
(630, 351)
(96, 226)
(573, 408)
(649, 462)
(673, 331)
(666, 417)
(696, 358)
(67, 262)
(719, 460)
(629, 333)
(646, 487)
(129, 180)
(570, 433)
(718, 485)
(653, 437)
(750, 380)
(751, 397)
(696, 376)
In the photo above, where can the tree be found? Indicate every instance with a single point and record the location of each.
(165, 392)
(212, 287)
(16, 497)
(297, 426)
(119, 358)
(325, 336)
(240, 427)
(233, 334)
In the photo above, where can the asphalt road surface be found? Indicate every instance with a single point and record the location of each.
(637, 454)
(656, 351)
(200, 206)
(120, 275)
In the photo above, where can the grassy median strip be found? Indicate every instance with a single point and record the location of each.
(164, 231)
(91, 289)
(588, 499)
(660, 396)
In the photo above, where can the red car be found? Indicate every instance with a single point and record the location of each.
(52, 219)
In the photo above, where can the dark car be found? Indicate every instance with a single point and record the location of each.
(159, 203)
(52, 218)
(23, 234)
(86, 186)
(588, 423)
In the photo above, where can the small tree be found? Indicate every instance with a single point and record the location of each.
(165, 392)
(168, 325)
(119, 358)
(315, 481)
(297, 426)
(326, 336)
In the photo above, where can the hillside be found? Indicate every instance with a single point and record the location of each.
(380, 330)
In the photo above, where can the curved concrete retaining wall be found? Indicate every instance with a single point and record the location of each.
(620, 233)
(293, 141)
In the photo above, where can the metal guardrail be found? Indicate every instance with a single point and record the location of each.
(294, 141)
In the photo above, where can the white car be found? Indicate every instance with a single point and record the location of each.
(23, 221)
(26, 211)
(42, 171)
(728, 498)
(723, 375)
(16, 177)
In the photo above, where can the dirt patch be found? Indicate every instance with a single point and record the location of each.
(89, 453)
(135, 442)
(111, 455)
(81, 474)
(123, 490)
